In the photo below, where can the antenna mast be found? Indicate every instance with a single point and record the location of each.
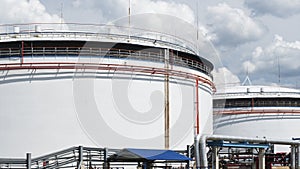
(61, 15)
(129, 19)
(197, 22)
(278, 62)
(247, 79)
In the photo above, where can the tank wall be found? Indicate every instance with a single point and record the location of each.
(47, 110)
(38, 117)
(269, 125)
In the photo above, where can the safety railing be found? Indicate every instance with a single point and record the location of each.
(257, 102)
(81, 52)
(74, 157)
(258, 94)
(95, 31)
(272, 110)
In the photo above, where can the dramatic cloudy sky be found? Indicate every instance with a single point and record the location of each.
(250, 35)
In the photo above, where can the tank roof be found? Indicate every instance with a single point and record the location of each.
(256, 91)
(98, 33)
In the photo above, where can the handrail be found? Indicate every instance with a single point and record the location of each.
(95, 30)
(74, 157)
(99, 36)
(55, 153)
(62, 159)
(257, 111)
(177, 60)
(278, 93)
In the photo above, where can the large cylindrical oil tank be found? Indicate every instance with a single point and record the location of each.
(258, 111)
(67, 88)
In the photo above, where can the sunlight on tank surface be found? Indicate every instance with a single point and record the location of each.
(257, 111)
(103, 85)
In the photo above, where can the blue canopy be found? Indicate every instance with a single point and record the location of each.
(131, 154)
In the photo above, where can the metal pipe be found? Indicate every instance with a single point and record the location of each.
(105, 161)
(200, 151)
(261, 158)
(120, 67)
(196, 150)
(298, 157)
(215, 156)
(197, 106)
(167, 101)
(293, 157)
(188, 148)
(203, 160)
(28, 160)
(200, 145)
(80, 157)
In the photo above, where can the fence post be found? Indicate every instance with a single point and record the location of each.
(80, 157)
(28, 160)
(105, 161)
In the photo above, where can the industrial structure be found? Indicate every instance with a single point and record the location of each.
(229, 152)
(93, 158)
(100, 86)
(271, 111)
(259, 112)
(95, 85)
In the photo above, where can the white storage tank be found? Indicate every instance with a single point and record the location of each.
(257, 111)
(63, 89)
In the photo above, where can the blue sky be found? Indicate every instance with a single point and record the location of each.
(249, 35)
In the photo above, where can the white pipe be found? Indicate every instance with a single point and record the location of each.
(215, 156)
(196, 150)
(261, 158)
(200, 145)
(203, 160)
(298, 157)
(293, 157)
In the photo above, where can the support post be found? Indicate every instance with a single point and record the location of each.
(298, 156)
(261, 158)
(167, 108)
(28, 160)
(215, 158)
(197, 106)
(293, 157)
(201, 153)
(188, 149)
(22, 52)
(106, 162)
(80, 157)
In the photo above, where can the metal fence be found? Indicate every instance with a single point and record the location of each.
(74, 157)
(81, 52)
(96, 32)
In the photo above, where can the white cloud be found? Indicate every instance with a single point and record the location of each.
(155, 15)
(25, 11)
(166, 17)
(264, 61)
(118, 9)
(232, 26)
(95, 11)
(179, 10)
(277, 8)
(249, 66)
(223, 76)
